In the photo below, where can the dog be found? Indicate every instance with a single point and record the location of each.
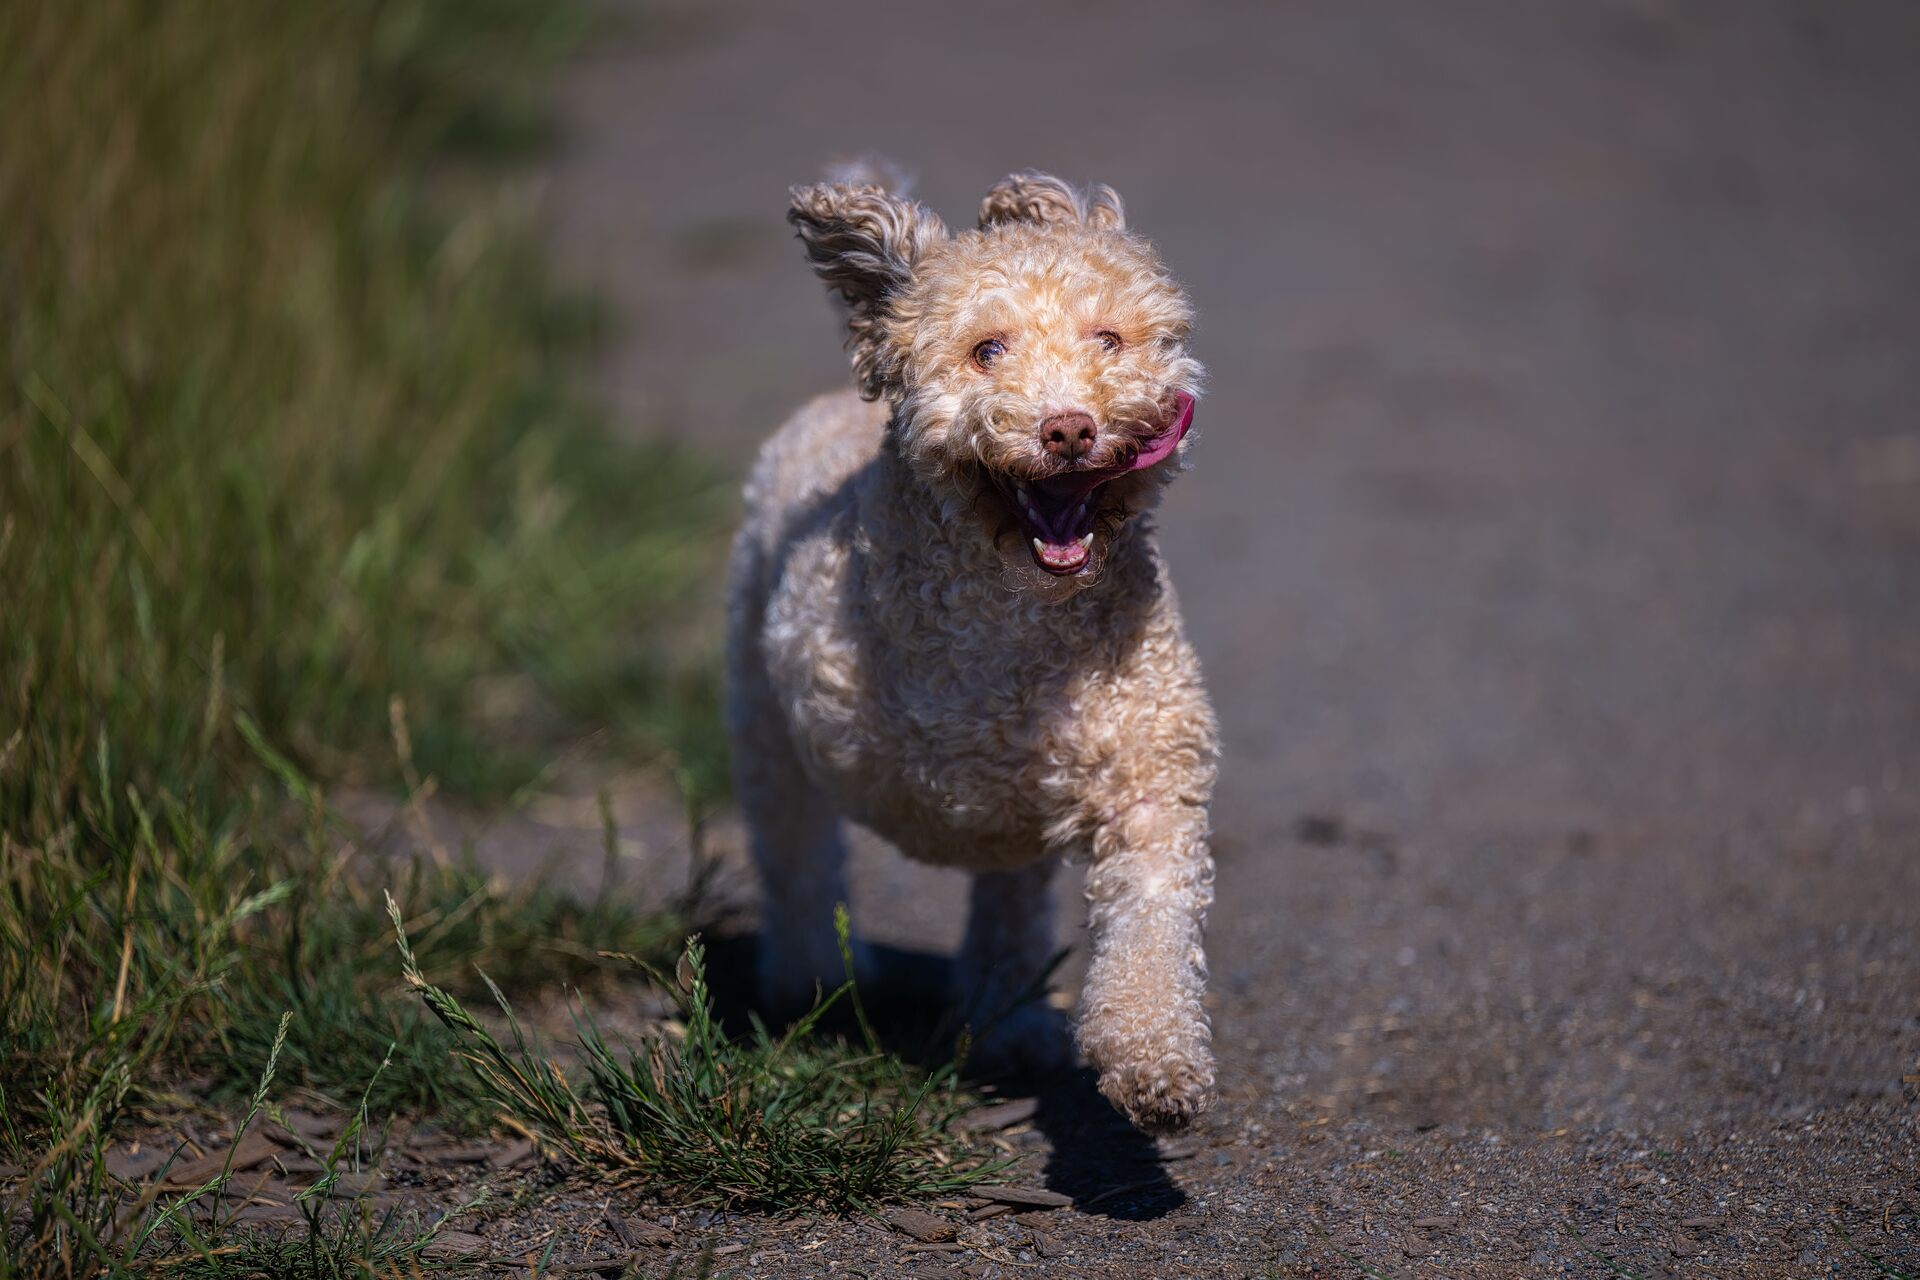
(948, 621)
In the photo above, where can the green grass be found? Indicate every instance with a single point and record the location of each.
(280, 431)
(284, 439)
(294, 493)
(802, 1120)
(221, 972)
(74, 1222)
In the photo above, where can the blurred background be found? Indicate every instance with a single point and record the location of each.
(381, 373)
(1555, 515)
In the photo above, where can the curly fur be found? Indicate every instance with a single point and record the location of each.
(897, 658)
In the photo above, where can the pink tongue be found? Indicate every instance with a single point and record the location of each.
(1163, 445)
(1063, 556)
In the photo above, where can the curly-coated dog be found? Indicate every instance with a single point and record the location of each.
(948, 620)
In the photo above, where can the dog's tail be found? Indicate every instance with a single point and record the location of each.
(871, 171)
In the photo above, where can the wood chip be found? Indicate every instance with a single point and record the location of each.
(307, 1133)
(921, 1226)
(933, 1248)
(465, 1153)
(456, 1244)
(727, 1249)
(1001, 1115)
(1427, 1224)
(1701, 1222)
(986, 1211)
(636, 1233)
(1024, 1195)
(509, 1154)
(125, 1162)
(351, 1186)
(312, 1126)
(276, 1215)
(250, 1152)
(262, 1188)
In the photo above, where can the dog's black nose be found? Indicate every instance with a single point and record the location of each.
(1068, 435)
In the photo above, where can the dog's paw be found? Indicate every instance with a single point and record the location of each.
(1155, 1066)
(1031, 1043)
(1160, 1095)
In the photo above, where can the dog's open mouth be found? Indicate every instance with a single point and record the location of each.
(1058, 511)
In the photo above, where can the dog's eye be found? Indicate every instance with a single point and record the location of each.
(987, 352)
(1108, 339)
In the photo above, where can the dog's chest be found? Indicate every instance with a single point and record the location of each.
(951, 722)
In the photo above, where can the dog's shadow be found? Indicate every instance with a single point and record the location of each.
(1095, 1157)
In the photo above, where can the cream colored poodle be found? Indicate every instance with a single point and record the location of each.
(949, 622)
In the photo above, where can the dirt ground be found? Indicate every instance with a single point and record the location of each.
(1553, 546)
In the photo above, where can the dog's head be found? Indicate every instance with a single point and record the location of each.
(1037, 366)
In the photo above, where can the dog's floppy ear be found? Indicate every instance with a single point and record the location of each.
(864, 242)
(1029, 196)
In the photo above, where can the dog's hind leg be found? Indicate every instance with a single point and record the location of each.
(1002, 971)
(794, 832)
(793, 828)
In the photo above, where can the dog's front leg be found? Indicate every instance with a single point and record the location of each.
(1142, 1023)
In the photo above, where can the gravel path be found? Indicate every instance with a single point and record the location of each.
(1553, 545)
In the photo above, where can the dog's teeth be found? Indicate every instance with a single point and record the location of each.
(1040, 546)
(1086, 540)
